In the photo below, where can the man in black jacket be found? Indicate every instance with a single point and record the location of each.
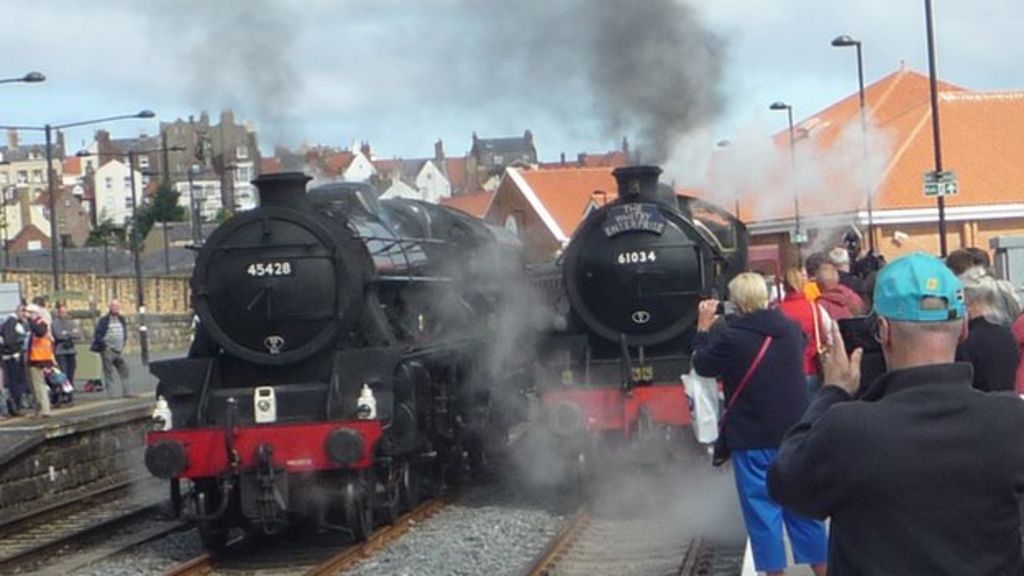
(924, 474)
(108, 341)
(14, 332)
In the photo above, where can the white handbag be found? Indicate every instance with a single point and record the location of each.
(702, 396)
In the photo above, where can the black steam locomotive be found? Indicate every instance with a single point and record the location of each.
(626, 291)
(341, 356)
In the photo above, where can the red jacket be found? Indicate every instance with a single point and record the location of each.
(840, 302)
(797, 308)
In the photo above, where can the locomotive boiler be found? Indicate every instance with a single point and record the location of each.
(626, 290)
(336, 363)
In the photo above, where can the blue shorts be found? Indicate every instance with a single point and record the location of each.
(764, 517)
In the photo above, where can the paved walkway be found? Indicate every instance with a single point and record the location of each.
(141, 383)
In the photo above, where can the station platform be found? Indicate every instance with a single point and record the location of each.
(95, 442)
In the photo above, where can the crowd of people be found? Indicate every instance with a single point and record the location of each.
(40, 357)
(917, 471)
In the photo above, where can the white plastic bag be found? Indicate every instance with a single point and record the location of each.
(702, 393)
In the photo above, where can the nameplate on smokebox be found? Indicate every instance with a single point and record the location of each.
(634, 218)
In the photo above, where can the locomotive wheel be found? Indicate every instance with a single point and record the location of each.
(408, 486)
(358, 504)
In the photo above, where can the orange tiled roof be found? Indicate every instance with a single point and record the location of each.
(982, 141)
(337, 162)
(455, 171)
(567, 193)
(72, 165)
(386, 166)
(270, 165)
(612, 159)
(475, 203)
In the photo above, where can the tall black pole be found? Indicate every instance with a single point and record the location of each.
(137, 261)
(52, 189)
(936, 139)
(196, 222)
(167, 253)
(864, 150)
(7, 249)
(796, 189)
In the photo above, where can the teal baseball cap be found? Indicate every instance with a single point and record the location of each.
(903, 284)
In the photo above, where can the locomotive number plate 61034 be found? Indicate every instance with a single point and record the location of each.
(261, 269)
(636, 257)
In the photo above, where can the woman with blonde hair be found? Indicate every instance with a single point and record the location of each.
(814, 321)
(759, 356)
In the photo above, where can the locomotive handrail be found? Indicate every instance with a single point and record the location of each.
(306, 245)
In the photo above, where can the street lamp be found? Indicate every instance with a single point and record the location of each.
(845, 41)
(51, 187)
(797, 237)
(136, 257)
(30, 78)
(195, 204)
(936, 140)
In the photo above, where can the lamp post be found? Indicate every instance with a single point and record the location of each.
(140, 293)
(936, 140)
(51, 186)
(30, 78)
(9, 193)
(798, 238)
(195, 206)
(845, 41)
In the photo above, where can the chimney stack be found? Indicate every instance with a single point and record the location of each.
(285, 189)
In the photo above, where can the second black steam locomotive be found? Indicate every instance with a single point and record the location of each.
(343, 353)
(626, 290)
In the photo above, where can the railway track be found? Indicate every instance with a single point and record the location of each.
(648, 546)
(35, 537)
(317, 556)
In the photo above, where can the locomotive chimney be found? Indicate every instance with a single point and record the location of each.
(638, 183)
(285, 189)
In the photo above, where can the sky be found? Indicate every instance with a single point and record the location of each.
(401, 74)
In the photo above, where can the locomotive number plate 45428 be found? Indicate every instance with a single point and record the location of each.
(261, 269)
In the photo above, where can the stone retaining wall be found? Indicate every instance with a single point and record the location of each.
(68, 460)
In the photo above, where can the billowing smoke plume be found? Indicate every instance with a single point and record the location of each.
(647, 70)
(597, 69)
(234, 55)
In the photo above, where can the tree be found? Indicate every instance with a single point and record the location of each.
(163, 208)
(102, 234)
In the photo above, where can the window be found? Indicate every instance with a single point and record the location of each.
(109, 182)
(143, 161)
(145, 179)
(5, 178)
(511, 224)
(128, 202)
(22, 177)
(127, 182)
(37, 176)
(242, 152)
(498, 159)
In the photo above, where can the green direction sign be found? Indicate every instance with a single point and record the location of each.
(940, 184)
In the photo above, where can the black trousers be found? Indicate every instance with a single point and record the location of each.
(16, 382)
(67, 364)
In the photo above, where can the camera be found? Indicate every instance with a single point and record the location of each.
(860, 332)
